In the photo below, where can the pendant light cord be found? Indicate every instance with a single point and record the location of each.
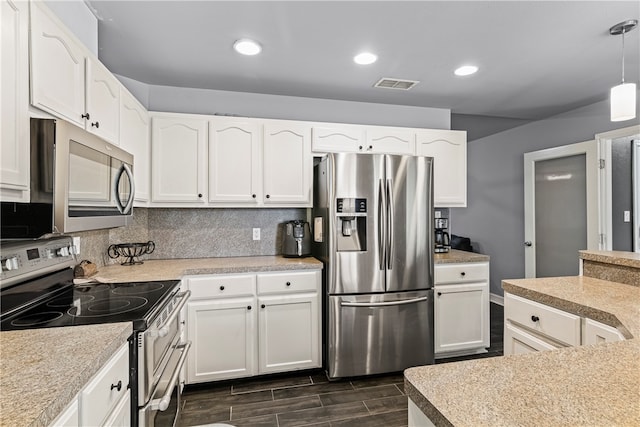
(623, 32)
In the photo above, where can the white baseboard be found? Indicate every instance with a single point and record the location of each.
(497, 299)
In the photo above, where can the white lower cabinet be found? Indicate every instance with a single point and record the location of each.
(105, 399)
(461, 309)
(530, 326)
(248, 324)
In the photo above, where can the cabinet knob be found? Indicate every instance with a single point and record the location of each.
(288, 283)
(462, 274)
(253, 195)
(370, 147)
(96, 124)
(222, 288)
(117, 386)
(263, 306)
(268, 196)
(534, 318)
(439, 293)
(200, 195)
(360, 147)
(86, 116)
(248, 307)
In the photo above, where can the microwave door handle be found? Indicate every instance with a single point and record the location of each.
(124, 209)
(132, 188)
(116, 193)
(164, 329)
(163, 403)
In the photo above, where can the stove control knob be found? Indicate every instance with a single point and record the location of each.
(72, 250)
(48, 253)
(63, 251)
(10, 264)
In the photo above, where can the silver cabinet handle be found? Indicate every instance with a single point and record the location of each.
(163, 403)
(164, 329)
(383, 304)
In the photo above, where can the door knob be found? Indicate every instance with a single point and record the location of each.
(527, 243)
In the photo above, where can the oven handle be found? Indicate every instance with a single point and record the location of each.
(164, 329)
(163, 403)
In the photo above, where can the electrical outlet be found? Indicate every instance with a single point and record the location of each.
(627, 216)
(76, 244)
(256, 234)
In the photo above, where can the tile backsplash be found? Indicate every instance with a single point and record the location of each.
(194, 233)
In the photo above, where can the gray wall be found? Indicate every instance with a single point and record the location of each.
(621, 194)
(494, 218)
(79, 19)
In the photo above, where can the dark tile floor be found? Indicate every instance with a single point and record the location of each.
(309, 399)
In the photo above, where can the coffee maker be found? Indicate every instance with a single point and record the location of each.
(442, 241)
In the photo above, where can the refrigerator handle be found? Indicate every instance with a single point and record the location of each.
(381, 224)
(389, 224)
(383, 304)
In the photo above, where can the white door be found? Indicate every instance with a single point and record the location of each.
(287, 163)
(335, 139)
(102, 102)
(222, 333)
(517, 341)
(390, 140)
(560, 208)
(134, 138)
(234, 161)
(289, 334)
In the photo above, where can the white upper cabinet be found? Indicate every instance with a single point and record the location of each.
(449, 150)
(338, 138)
(102, 102)
(134, 138)
(389, 140)
(234, 161)
(14, 101)
(287, 163)
(178, 158)
(57, 67)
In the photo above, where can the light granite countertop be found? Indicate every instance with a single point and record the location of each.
(457, 256)
(41, 370)
(593, 385)
(627, 259)
(175, 269)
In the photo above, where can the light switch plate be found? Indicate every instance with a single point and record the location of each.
(627, 216)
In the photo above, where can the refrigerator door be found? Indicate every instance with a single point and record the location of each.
(409, 195)
(372, 334)
(354, 177)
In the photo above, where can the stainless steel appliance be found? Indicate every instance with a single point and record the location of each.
(372, 229)
(37, 291)
(296, 239)
(442, 242)
(78, 182)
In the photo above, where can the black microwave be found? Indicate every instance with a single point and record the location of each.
(78, 182)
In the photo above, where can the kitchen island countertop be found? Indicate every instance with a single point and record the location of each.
(585, 385)
(41, 370)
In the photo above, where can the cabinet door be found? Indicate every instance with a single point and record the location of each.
(517, 341)
(14, 95)
(57, 67)
(222, 333)
(234, 161)
(178, 159)
(121, 415)
(287, 164)
(390, 140)
(102, 102)
(596, 332)
(449, 151)
(335, 139)
(461, 317)
(134, 138)
(289, 336)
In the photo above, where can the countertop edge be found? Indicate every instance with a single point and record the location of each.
(434, 415)
(627, 259)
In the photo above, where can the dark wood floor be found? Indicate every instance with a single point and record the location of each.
(309, 399)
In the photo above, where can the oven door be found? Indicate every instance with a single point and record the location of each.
(164, 407)
(155, 346)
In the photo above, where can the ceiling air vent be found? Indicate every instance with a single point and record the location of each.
(389, 83)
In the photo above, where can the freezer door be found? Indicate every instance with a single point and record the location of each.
(373, 334)
(356, 177)
(409, 195)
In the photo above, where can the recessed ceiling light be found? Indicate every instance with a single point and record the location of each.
(466, 70)
(365, 58)
(247, 47)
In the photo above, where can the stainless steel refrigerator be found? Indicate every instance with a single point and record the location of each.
(373, 217)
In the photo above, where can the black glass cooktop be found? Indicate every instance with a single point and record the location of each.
(58, 302)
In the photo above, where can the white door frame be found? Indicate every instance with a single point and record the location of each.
(604, 145)
(590, 149)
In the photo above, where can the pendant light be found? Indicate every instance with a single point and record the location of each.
(623, 96)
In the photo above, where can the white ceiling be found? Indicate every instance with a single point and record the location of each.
(536, 58)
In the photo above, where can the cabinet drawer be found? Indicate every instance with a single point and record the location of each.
(106, 389)
(556, 324)
(222, 286)
(456, 273)
(288, 282)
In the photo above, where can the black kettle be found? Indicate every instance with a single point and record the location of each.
(296, 239)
